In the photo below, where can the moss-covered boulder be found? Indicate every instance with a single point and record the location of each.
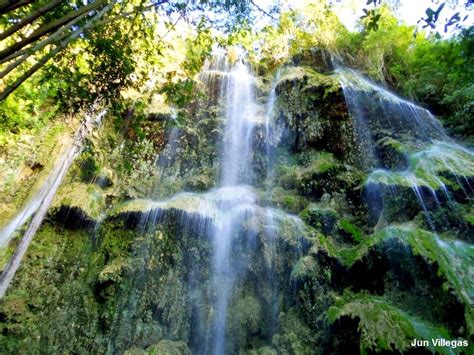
(311, 108)
(77, 203)
(453, 258)
(321, 218)
(315, 173)
(384, 327)
(168, 347)
(287, 200)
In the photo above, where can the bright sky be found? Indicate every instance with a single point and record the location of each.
(410, 11)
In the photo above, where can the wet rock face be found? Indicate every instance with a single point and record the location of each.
(145, 278)
(315, 58)
(320, 218)
(391, 154)
(348, 273)
(311, 107)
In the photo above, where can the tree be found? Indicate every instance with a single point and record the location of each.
(35, 32)
(372, 16)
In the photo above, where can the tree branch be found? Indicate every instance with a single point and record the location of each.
(29, 19)
(10, 5)
(55, 51)
(262, 10)
(58, 35)
(40, 32)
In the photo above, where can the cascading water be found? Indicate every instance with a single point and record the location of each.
(383, 119)
(209, 268)
(240, 123)
(236, 201)
(378, 112)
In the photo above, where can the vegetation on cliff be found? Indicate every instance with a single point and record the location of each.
(332, 254)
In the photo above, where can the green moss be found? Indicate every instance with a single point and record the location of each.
(469, 218)
(311, 77)
(455, 259)
(353, 230)
(287, 200)
(168, 347)
(266, 350)
(322, 218)
(315, 173)
(318, 162)
(88, 198)
(200, 182)
(244, 319)
(304, 268)
(434, 167)
(294, 337)
(187, 202)
(385, 327)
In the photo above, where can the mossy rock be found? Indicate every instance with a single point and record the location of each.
(203, 181)
(316, 173)
(315, 58)
(352, 230)
(383, 327)
(321, 218)
(311, 108)
(287, 200)
(104, 178)
(455, 259)
(469, 218)
(435, 167)
(78, 201)
(188, 203)
(294, 336)
(266, 350)
(305, 268)
(392, 153)
(168, 347)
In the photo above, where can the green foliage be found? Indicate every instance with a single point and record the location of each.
(383, 326)
(454, 258)
(436, 72)
(30, 107)
(96, 75)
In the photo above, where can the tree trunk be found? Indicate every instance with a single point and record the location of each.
(29, 19)
(52, 185)
(9, 89)
(56, 36)
(10, 5)
(40, 32)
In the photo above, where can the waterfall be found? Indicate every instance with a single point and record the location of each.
(240, 123)
(236, 201)
(380, 117)
(376, 111)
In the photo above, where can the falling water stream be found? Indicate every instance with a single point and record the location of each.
(378, 114)
(237, 201)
